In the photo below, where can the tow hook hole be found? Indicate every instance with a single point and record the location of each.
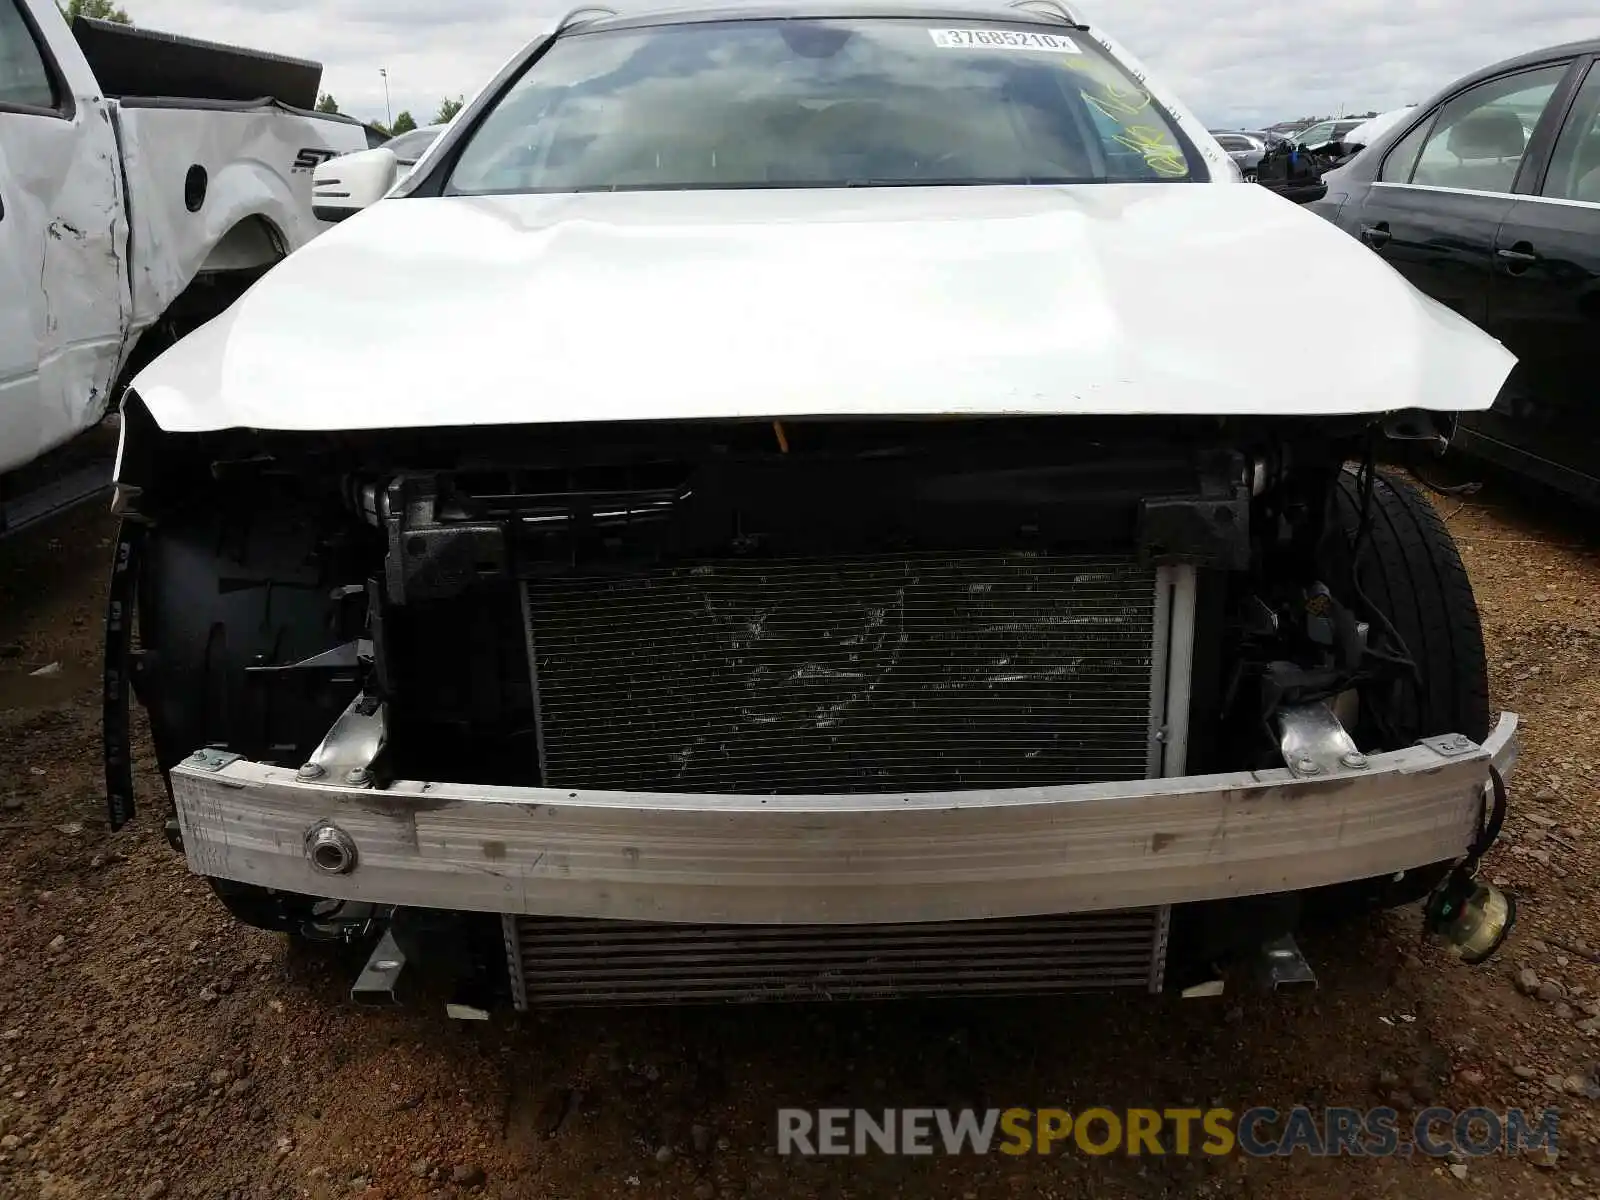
(329, 858)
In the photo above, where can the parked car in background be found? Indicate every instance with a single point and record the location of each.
(407, 148)
(1327, 133)
(144, 184)
(1364, 134)
(795, 525)
(1488, 198)
(1246, 149)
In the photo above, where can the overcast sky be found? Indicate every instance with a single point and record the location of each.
(1233, 61)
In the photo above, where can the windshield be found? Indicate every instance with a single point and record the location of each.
(819, 103)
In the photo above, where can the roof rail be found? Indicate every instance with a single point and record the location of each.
(1050, 8)
(585, 12)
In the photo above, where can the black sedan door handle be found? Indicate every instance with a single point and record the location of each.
(1377, 236)
(1518, 257)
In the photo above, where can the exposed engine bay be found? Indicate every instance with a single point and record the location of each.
(887, 610)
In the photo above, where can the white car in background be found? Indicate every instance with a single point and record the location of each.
(781, 516)
(407, 148)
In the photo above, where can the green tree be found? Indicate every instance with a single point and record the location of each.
(327, 104)
(404, 123)
(100, 10)
(449, 109)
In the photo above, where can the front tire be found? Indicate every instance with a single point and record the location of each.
(1412, 574)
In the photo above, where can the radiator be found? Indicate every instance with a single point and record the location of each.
(560, 963)
(850, 675)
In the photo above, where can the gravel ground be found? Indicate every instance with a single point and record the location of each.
(150, 1048)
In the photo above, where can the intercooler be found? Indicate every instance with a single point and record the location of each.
(909, 672)
(566, 963)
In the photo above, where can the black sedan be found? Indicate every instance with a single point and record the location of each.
(1488, 198)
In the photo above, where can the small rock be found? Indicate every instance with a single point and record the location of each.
(98, 861)
(10, 1142)
(11, 1035)
(1562, 960)
(275, 1005)
(1459, 1170)
(1537, 946)
(1589, 1025)
(154, 1190)
(1471, 1077)
(45, 672)
(704, 1190)
(1550, 991)
(422, 1168)
(240, 1087)
(285, 1145)
(1564, 1011)
(1556, 1083)
(700, 1138)
(1542, 857)
(1522, 1072)
(468, 1176)
(1543, 1157)
(1402, 1099)
(71, 828)
(220, 1077)
(1591, 1008)
(1527, 981)
(58, 944)
(207, 996)
(664, 1155)
(1574, 1086)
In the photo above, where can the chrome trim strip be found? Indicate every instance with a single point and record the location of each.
(1180, 673)
(842, 859)
(1450, 191)
(1160, 652)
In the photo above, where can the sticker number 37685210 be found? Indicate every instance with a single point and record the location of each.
(1003, 39)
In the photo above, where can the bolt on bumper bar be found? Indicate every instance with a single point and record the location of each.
(842, 859)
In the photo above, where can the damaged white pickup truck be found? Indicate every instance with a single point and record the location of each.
(780, 519)
(146, 180)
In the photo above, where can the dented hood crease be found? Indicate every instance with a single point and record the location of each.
(1110, 299)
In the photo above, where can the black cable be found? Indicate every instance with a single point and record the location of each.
(1368, 479)
(1487, 833)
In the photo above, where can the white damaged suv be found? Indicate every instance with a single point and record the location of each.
(767, 509)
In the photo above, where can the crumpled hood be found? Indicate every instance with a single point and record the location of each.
(1107, 299)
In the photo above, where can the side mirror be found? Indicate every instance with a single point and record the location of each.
(343, 186)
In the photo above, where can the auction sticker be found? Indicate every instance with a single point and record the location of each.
(1003, 39)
